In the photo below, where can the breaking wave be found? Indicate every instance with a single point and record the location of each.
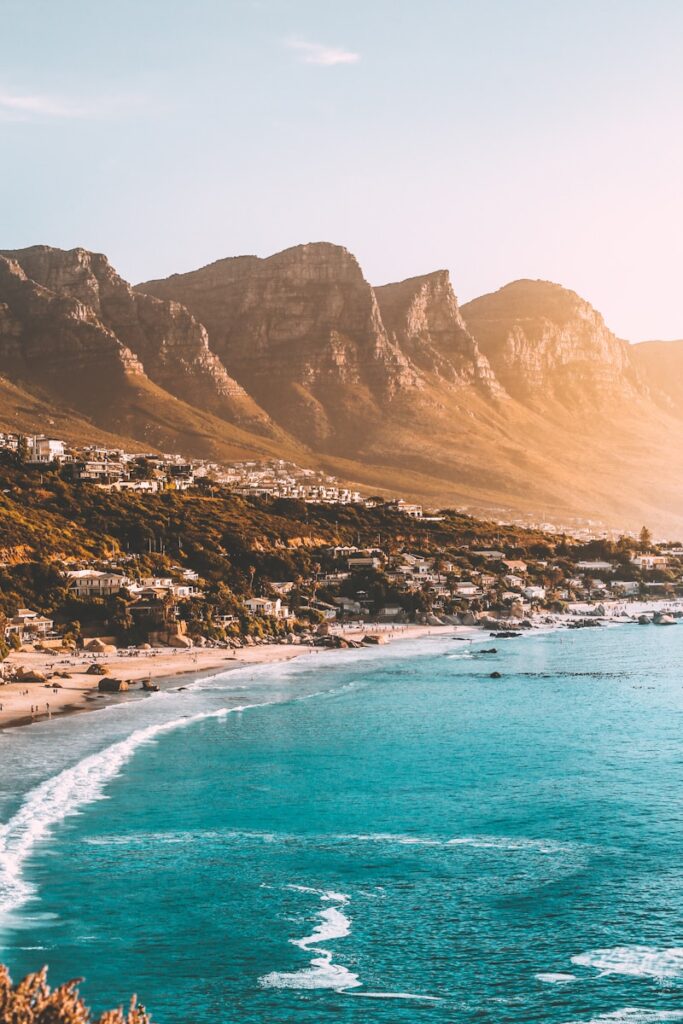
(322, 971)
(64, 795)
(634, 961)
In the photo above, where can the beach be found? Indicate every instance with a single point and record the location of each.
(22, 703)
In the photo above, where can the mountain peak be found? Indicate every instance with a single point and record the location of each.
(422, 317)
(546, 343)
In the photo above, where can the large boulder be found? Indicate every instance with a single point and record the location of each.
(183, 642)
(97, 669)
(30, 675)
(110, 685)
(99, 647)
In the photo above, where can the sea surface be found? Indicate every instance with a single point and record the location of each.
(386, 835)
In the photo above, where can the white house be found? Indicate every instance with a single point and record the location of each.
(45, 449)
(649, 561)
(267, 606)
(91, 583)
(364, 562)
(627, 588)
(27, 621)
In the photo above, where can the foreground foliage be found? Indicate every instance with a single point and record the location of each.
(31, 1001)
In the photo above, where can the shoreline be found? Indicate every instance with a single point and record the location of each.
(79, 693)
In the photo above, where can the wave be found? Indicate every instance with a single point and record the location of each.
(394, 995)
(558, 978)
(634, 961)
(503, 844)
(388, 837)
(633, 1015)
(322, 972)
(512, 844)
(64, 795)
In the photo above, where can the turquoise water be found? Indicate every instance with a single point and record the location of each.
(391, 836)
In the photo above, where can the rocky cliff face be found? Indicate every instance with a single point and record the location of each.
(53, 339)
(169, 343)
(324, 352)
(546, 343)
(422, 318)
(301, 331)
(521, 400)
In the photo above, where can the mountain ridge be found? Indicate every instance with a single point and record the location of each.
(521, 399)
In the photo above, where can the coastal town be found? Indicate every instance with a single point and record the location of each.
(288, 558)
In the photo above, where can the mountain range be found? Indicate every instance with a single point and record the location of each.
(519, 402)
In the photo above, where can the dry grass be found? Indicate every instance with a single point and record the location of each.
(32, 1002)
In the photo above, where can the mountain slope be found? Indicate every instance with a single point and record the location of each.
(55, 348)
(522, 399)
(302, 332)
(422, 317)
(545, 343)
(169, 342)
(661, 365)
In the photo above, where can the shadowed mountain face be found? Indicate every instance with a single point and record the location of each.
(325, 353)
(77, 338)
(169, 343)
(302, 331)
(522, 400)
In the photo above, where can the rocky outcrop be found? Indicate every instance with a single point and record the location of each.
(422, 317)
(302, 332)
(55, 340)
(546, 343)
(324, 352)
(171, 345)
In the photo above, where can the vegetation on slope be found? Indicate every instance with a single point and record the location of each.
(31, 1001)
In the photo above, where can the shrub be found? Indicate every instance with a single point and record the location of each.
(32, 1002)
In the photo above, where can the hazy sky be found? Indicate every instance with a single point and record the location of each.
(498, 138)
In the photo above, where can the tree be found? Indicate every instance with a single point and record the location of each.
(645, 539)
(21, 455)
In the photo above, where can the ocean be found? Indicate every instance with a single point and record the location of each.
(368, 836)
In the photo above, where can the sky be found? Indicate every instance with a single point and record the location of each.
(499, 139)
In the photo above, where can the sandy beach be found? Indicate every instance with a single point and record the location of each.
(22, 703)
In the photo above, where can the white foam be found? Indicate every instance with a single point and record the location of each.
(333, 925)
(390, 837)
(511, 844)
(555, 978)
(633, 1015)
(64, 795)
(394, 995)
(634, 961)
(321, 972)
